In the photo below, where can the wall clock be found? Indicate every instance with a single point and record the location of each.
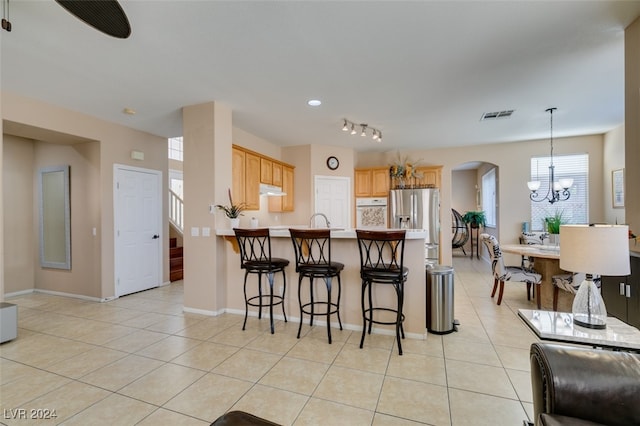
(332, 163)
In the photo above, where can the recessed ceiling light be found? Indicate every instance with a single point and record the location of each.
(314, 102)
(129, 111)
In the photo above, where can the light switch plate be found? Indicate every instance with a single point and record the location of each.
(206, 231)
(195, 231)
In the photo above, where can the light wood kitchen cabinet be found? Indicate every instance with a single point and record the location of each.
(250, 169)
(252, 181)
(266, 171)
(380, 182)
(276, 174)
(430, 177)
(372, 182)
(286, 202)
(237, 175)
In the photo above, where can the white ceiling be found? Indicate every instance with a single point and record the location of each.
(422, 72)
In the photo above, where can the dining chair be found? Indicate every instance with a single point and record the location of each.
(569, 282)
(502, 273)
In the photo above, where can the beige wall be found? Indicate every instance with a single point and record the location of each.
(84, 162)
(632, 127)
(95, 173)
(613, 159)
(463, 195)
(21, 236)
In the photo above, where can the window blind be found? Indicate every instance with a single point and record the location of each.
(576, 208)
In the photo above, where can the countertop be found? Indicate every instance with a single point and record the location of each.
(283, 231)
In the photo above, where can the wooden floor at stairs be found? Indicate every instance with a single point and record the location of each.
(175, 261)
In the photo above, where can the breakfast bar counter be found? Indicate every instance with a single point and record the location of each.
(344, 249)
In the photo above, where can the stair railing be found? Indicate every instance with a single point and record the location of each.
(176, 211)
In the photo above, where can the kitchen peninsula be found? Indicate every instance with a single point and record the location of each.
(344, 249)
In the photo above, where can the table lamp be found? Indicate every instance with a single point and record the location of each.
(593, 249)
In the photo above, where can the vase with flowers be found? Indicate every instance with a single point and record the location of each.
(233, 211)
(403, 171)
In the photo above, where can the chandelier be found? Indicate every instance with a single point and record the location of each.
(352, 127)
(557, 191)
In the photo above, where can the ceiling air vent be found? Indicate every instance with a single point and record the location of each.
(497, 114)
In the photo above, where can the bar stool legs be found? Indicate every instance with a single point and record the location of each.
(309, 308)
(367, 312)
(258, 300)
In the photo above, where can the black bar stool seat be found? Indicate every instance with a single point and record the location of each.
(382, 262)
(255, 258)
(313, 260)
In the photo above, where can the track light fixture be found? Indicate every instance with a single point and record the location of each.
(350, 126)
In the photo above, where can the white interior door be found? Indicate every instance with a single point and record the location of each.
(333, 198)
(138, 230)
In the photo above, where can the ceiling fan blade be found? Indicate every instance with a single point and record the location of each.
(104, 15)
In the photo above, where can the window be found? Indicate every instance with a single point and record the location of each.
(489, 197)
(576, 208)
(175, 148)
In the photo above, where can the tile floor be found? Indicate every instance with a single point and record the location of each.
(141, 360)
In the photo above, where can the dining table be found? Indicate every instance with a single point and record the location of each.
(546, 262)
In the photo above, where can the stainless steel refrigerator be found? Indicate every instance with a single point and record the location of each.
(418, 209)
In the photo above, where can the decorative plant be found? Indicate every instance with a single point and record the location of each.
(403, 168)
(475, 218)
(232, 211)
(553, 222)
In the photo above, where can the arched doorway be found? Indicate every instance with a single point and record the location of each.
(474, 188)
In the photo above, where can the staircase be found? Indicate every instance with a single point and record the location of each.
(176, 208)
(176, 271)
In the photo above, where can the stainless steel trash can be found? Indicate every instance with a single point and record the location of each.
(440, 299)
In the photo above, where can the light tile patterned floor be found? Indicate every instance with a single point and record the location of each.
(140, 360)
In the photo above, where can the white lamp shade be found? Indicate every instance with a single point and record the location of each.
(566, 183)
(533, 185)
(597, 249)
(556, 186)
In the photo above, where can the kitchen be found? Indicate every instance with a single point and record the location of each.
(344, 247)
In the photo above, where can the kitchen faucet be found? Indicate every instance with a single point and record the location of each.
(326, 219)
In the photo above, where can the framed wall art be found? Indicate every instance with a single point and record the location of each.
(617, 188)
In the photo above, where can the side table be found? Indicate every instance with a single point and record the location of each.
(559, 327)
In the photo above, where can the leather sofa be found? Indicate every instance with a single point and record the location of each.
(241, 418)
(583, 386)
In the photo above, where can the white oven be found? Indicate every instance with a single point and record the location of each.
(371, 212)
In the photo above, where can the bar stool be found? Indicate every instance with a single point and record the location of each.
(382, 262)
(313, 260)
(255, 258)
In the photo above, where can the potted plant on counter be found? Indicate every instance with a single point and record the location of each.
(552, 224)
(475, 219)
(233, 211)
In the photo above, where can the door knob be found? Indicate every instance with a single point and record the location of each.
(156, 236)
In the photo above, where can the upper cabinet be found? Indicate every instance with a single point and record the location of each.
(252, 181)
(372, 182)
(276, 174)
(250, 169)
(238, 176)
(285, 202)
(266, 171)
(430, 177)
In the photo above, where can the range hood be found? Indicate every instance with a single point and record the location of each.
(271, 190)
